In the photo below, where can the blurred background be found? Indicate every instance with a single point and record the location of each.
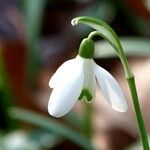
(36, 37)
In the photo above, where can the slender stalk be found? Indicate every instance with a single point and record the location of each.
(92, 34)
(131, 82)
(106, 32)
(135, 101)
(143, 135)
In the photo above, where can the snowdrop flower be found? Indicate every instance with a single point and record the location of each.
(76, 79)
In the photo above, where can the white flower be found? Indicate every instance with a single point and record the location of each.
(76, 79)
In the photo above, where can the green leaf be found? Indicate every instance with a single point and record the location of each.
(97, 9)
(74, 119)
(51, 125)
(104, 30)
(33, 14)
(133, 46)
(29, 140)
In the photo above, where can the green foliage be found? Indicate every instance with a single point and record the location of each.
(103, 29)
(50, 125)
(33, 14)
(133, 46)
(29, 140)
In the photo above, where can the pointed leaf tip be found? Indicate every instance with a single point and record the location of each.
(103, 28)
(74, 21)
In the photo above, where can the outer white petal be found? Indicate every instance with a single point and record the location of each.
(60, 73)
(89, 77)
(110, 88)
(66, 92)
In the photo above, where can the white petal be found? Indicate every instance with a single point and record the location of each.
(61, 71)
(110, 88)
(66, 92)
(89, 77)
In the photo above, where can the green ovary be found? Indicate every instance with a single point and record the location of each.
(86, 95)
(86, 49)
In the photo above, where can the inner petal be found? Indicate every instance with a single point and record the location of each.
(86, 95)
(89, 84)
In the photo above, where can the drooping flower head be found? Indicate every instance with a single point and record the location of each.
(77, 79)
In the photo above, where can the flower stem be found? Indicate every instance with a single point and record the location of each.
(106, 32)
(131, 82)
(135, 101)
(143, 135)
(92, 34)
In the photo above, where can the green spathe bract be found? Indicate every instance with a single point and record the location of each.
(104, 29)
(86, 49)
(106, 32)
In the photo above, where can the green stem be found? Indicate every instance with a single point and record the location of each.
(143, 135)
(131, 82)
(92, 34)
(106, 32)
(135, 101)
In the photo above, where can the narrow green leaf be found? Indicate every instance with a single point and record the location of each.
(29, 140)
(51, 125)
(97, 9)
(104, 30)
(33, 15)
(74, 119)
(133, 46)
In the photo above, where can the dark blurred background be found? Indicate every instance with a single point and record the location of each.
(36, 37)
